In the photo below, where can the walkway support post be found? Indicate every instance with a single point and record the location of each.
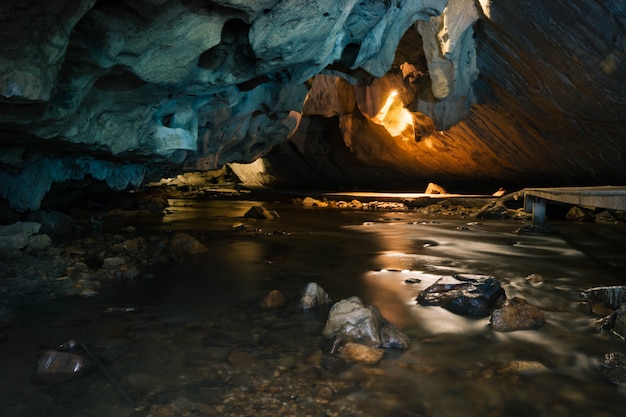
(536, 206)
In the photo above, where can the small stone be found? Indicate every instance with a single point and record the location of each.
(312, 202)
(261, 213)
(57, 367)
(522, 367)
(356, 352)
(534, 279)
(274, 299)
(313, 296)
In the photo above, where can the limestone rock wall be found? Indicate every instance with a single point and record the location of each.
(170, 85)
(544, 104)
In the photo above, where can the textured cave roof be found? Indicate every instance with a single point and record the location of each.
(528, 93)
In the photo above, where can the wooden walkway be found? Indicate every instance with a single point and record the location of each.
(609, 197)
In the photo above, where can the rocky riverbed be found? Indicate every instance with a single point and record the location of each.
(175, 305)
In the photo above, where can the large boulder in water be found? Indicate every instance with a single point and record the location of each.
(467, 295)
(517, 314)
(350, 320)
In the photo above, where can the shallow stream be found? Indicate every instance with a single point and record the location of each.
(193, 341)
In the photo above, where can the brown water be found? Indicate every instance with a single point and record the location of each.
(456, 366)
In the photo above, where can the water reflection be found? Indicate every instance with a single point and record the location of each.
(456, 366)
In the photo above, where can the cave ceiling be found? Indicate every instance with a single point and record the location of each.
(329, 93)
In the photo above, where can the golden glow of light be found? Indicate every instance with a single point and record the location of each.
(396, 119)
(486, 5)
(380, 117)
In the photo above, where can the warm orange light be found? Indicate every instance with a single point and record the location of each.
(395, 119)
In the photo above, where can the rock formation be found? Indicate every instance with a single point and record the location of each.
(121, 92)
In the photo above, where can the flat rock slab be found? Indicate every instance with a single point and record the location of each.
(466, 295)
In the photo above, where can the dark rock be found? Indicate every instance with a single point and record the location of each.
(261, 213)
(331, 345)
(612, 296)
(517, 314)
(615, 322)
(619, 326)
(57, 367)
(614, 368)
(605, 217)
(468, 295)
(351, 321)
(52, 222)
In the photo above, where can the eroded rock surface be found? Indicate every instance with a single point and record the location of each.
(119, 93)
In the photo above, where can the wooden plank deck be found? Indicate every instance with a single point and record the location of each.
(609, 197)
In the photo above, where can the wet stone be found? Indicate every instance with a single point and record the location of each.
(517, 314)
(612, 296)
(534, 279)
(55, 367)
(467, 295)
(274, 299)
(313, 296)
(355, 352)
(615, 322)
(351, 320)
